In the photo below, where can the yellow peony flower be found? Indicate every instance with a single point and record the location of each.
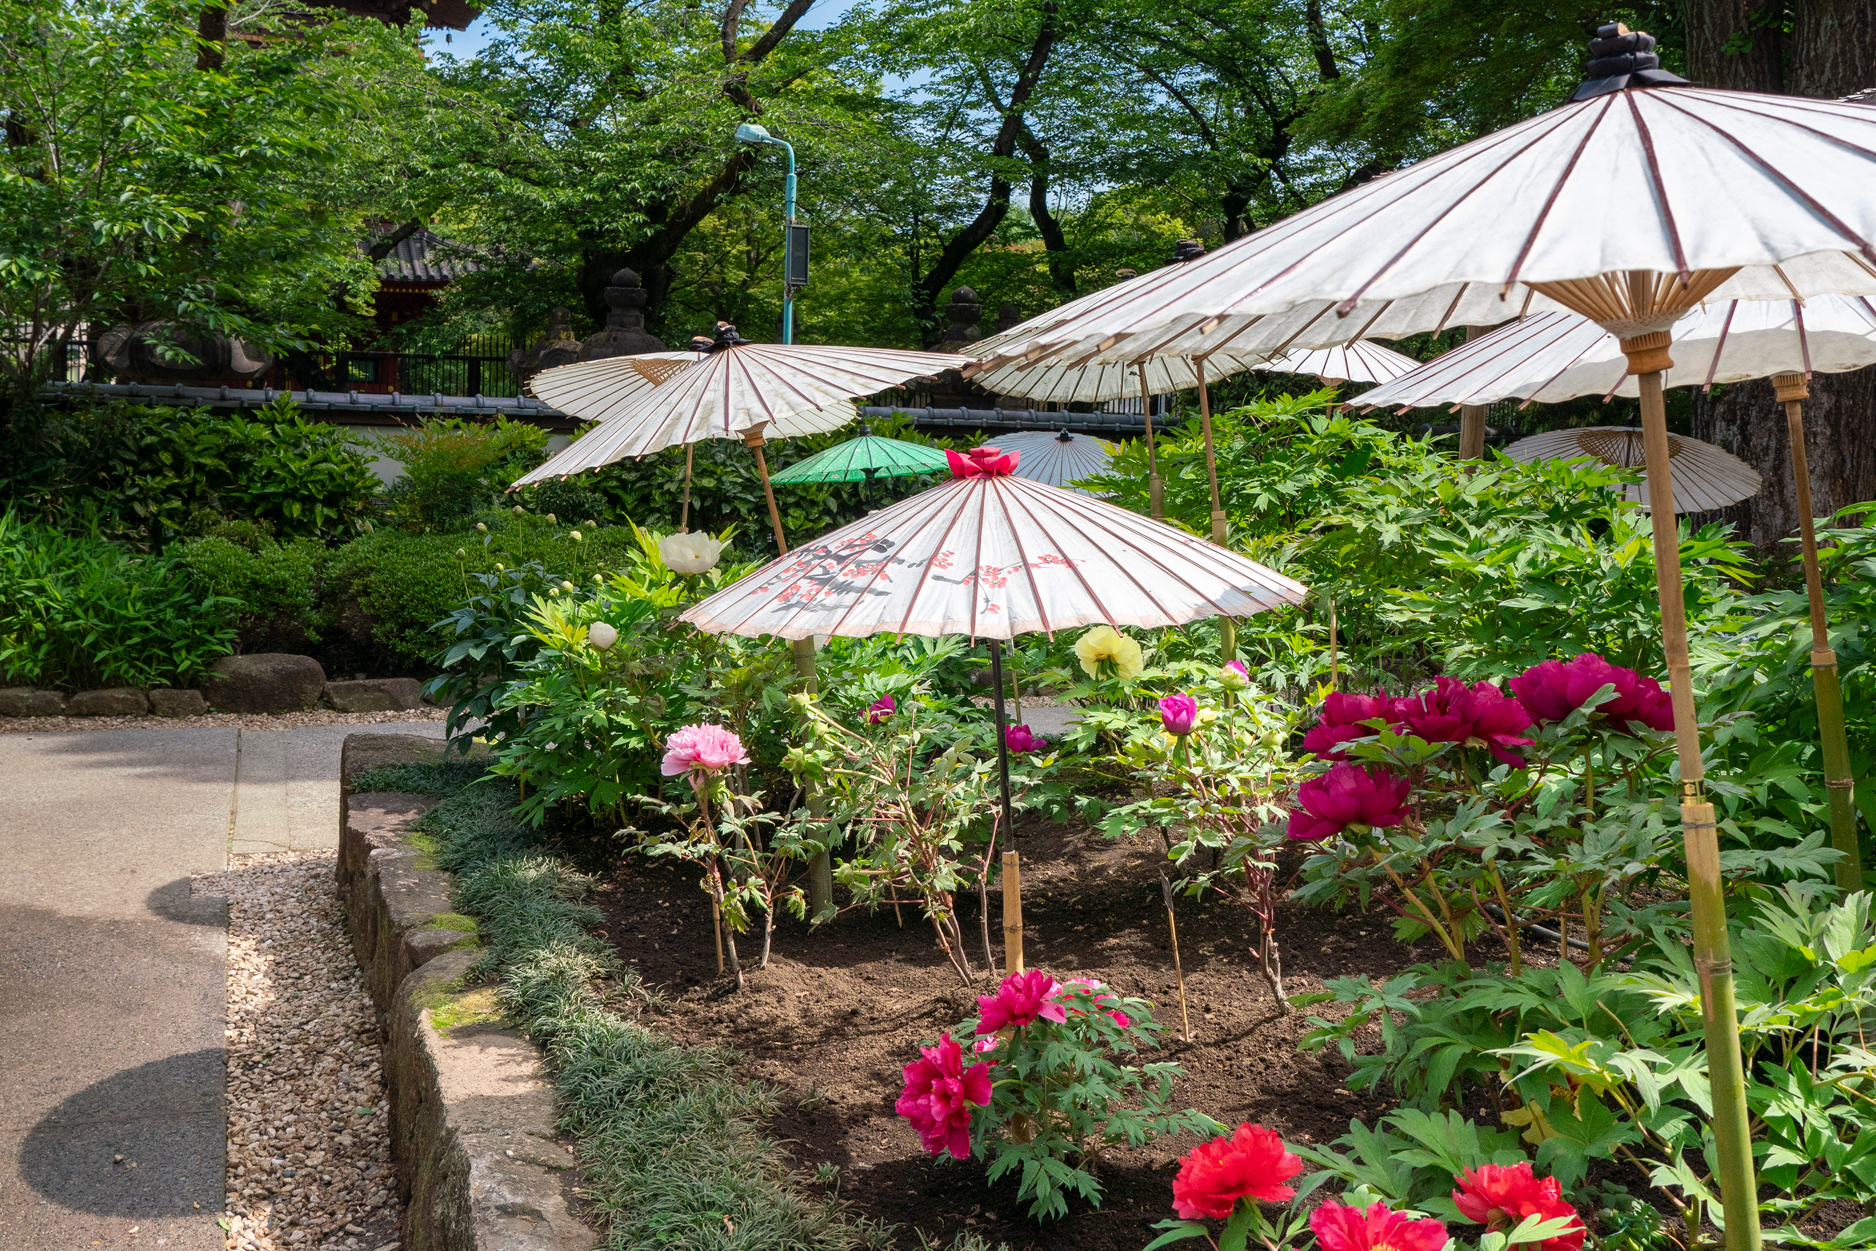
(1105, 644)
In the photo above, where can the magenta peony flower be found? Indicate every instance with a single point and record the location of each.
(1234, 675)
(1342, 717)
(939, 1094)
(1348, 797)
(1019, 740)
(1179, 714)
(1476, 716)
(1554, 689)
(880, 709)
(702, 749)
(1102, 999)
(1023, 998)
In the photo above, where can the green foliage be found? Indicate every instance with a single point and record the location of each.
(454, 468)
(148, 474)
(1061, 1096)
(136, 186)
(669, 1138)
(85, 613)
(268, 586)
(389, 589)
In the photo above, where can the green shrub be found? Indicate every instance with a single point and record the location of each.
(268, 585)
(139, 474)
(454, 468)
(84, 613)
(388, 589)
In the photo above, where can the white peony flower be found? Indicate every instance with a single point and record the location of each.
(695, 552)
(601, 635)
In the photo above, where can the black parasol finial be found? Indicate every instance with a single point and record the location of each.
(1187, 250)
(1620, 58)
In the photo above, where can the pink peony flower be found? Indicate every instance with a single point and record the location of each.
(1342, 717)
(1023, 998)
(1252, 1163)
(1348, 797)
(982, 462)
(1554, 689)
(1179, 714)
(1102, 999)
(1341, 1228)
(1477, 716)
(939, 1094)
(880, 709)
(702, 749)
(1020, 740)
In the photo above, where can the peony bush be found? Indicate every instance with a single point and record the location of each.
(1044, 1092)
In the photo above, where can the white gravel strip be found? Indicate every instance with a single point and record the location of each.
(233, 720)
(309, 1148)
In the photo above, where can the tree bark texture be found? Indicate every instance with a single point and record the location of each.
(1830, 52)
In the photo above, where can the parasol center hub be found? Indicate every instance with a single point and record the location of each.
(1648, 353)
(1790, 387)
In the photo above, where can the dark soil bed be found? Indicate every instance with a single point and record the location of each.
(841, 1010)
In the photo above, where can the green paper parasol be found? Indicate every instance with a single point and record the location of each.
(863, 459)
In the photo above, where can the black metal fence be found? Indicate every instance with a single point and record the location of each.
(478, 367)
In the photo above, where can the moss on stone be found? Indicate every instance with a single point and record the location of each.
(473, 1007)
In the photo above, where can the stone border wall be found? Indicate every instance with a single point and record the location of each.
(472, 1112)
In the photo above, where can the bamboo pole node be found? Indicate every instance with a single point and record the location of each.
(1648, 353)
(1791, 387)
(1713, 968)
(1826, 659)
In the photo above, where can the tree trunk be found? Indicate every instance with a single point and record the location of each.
(1830, 52)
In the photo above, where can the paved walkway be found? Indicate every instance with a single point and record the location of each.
(112, 973)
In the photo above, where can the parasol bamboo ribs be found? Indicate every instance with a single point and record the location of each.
(1155, 488)
(1648, 359)
(1835, 743)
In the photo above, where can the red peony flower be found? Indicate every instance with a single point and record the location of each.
(1380, 1228)
(1348, 796)
(881, 709)
(1554, 689)
(1477, 716)
(1342, 717)
(1023, 998)
(982, 462)
(939, 1094)
(1253, 1163)
(1102, 999)
(1179, 714)
(1500, 1198)
(1022, 740)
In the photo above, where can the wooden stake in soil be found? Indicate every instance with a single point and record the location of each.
(1172, 925)
(1335, 667)
(716, 923)
(1012, 913)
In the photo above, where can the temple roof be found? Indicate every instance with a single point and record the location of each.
(414, 260)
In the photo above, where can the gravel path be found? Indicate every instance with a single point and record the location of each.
(244, 721)
(309, 1151)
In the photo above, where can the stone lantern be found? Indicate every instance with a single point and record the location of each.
(160, 352)
(961, 316)
(556, 347)
(625, 333)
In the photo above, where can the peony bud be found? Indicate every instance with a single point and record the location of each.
(574, 535)
(552, 520)
(482, 527)
(1234, 675)
(1179, 714)
(601, 635)
(567, 587)
(519, 510)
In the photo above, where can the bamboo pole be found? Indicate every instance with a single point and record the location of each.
(1648, 359)
(1472, 417)
(1155, 488)
(1012, 913)
(1227, 628)
(1172, 926)
(683, 520)
(1834, 742)
(821, 864)
(1335, 664)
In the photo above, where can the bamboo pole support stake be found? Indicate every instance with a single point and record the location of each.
(1227, 628)
(1172, 926)
(683, 520)
(1472, 417)
(821, 864)
(1648, 359)
(1839, 784)
(1155, 488)
(1012, 913)
(716, 923)
(1335, 664)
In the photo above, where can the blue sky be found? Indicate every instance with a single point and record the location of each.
(466, 43)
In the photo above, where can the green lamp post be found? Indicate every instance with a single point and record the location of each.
(794, 235)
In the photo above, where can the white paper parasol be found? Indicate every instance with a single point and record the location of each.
(992, 557)
(1705, 477)
(1550, 357)
(1060, 458)
(1360, 361)
(785, 390)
